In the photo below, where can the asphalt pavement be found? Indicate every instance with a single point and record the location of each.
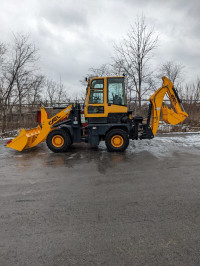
(92, 207)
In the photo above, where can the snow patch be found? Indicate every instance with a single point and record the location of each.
(162, 146)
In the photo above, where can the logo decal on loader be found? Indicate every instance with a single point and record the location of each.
(54, 120)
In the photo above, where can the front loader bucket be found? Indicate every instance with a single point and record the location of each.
(32, 137)
(170, 117)
(25, 139)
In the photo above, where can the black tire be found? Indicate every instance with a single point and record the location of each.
(122, 140)
(63, 142)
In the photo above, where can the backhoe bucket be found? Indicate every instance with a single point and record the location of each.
(25, 139)
(170, 117)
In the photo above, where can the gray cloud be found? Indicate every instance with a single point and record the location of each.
(65, 14)
(75, 35)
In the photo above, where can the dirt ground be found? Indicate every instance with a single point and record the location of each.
(91, 207)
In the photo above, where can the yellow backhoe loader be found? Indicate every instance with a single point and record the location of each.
(104, 116)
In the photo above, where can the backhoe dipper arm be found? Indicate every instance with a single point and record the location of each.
(169, 115)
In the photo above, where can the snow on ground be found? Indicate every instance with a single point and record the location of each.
(165, 144)
(161, 146)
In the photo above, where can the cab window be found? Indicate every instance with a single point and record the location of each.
(96, 91)
(97, 84)
(116, 91)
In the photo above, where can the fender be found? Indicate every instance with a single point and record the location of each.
(68, 128)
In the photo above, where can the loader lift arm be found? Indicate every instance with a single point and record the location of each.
(169, 115)
(32, 137)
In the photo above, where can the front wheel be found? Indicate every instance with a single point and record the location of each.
(117, 140)
(58, 140)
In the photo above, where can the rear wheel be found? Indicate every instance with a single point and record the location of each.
(58, 140)
(117, 140)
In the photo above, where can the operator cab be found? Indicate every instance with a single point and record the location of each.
(105, 95)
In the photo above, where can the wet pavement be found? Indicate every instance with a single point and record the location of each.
(91, 207)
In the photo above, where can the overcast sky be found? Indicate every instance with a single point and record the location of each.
(74, 35)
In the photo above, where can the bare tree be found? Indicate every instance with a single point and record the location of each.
(102, 71)
(56, 93)
(17, 69)
(34, 94)
(2, 53)
(191, 92)
(191, 95)
(133, 55)
(172, 70)
(51, 91)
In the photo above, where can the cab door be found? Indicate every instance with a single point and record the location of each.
(95, 102)
(116, 95)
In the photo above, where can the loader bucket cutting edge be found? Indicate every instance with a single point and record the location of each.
(25, 139)
(170, 117)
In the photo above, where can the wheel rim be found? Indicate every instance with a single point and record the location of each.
(57, 141)
(117, 141)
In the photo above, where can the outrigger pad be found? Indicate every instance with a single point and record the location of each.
(170, 117)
